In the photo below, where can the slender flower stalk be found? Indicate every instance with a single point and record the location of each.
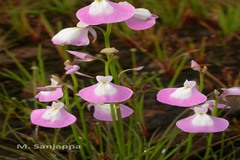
(74, 126)
(210, 136)
(82, 116)
(110, 64)
(196, 67)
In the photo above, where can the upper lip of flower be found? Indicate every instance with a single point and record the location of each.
(106, 12)
(49, 88)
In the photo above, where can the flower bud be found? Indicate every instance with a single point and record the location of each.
(109, 50)
(195, 66)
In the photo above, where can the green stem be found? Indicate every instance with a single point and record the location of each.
(81, 115)
(209, 143)
(75, 83)
(107, 35)
(117, 131)
(215, 108)
(112, 68)
(106, 68)
(121, 130)
(210, 136)
(110, 64)
(190, 137)
(189, 145)
(201, 85)
(222, 144)
(117, 125)
(73, 126)
(78, 140)
(99, 131)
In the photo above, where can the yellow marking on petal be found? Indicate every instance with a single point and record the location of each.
(55, 108)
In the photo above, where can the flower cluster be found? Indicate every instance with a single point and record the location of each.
(54, 116)
(104, 96)
(103, 12)
(189, 96)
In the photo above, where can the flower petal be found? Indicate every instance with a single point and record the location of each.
(93, 33)
(142, 19)
(72, 36)
(189, 84)
(72, 69)
(212, 103)
(119, 94)
(233, 91)
(142, 14)
(48, 96)
(82, 56)
(102, 112)
(104, 78)
(104, 12)
(195, 66)
(214, 125)
(201, 110)
(187, 100)
(45, 118)
(182, 93)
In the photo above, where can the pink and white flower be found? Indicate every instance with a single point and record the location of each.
(102, 112)
(211, 103)
(142, 19)
(77, 36)
(185, 96)
(200, 122)
(233, 91)
(71, 69)
(54, 116)
(82, 57)
(50, 93)
(105, 12)
(105, 91)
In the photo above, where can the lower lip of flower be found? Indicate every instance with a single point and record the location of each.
(182, 93)
(202, 120)
(104, 88)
